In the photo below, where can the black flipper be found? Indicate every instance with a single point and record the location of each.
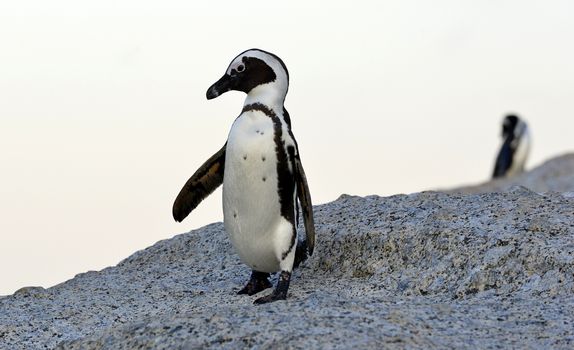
(280, 292)
(200, 185)
(306, 205)
(504, 159)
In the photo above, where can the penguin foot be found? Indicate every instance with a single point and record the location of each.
(280, 292)
(258, 282)
(270, 298)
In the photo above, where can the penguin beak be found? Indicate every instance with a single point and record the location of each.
(221, 86)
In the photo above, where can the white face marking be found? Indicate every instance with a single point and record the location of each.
(237, 65)
(270, 94)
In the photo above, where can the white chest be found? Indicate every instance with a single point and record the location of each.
(520, 155)
(250, 145)
(251, 206)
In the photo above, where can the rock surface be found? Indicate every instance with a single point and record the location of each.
(426, 270)
(556, 175)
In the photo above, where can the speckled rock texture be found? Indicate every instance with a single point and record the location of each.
(423, 271)
(556, 175)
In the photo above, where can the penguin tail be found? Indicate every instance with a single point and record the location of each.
(300, 253)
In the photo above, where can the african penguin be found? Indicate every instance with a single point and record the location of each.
(262, 175)
(515, 148)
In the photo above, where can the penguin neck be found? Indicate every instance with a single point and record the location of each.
(509, 138)
(271, 95)
(519, 136)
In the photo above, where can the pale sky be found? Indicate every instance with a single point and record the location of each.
(103, 115)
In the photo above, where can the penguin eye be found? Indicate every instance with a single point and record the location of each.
(240, 68)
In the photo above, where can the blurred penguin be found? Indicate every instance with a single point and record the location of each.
(515, 147)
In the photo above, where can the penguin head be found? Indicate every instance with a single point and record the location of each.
(253, 72)
(509, 125)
